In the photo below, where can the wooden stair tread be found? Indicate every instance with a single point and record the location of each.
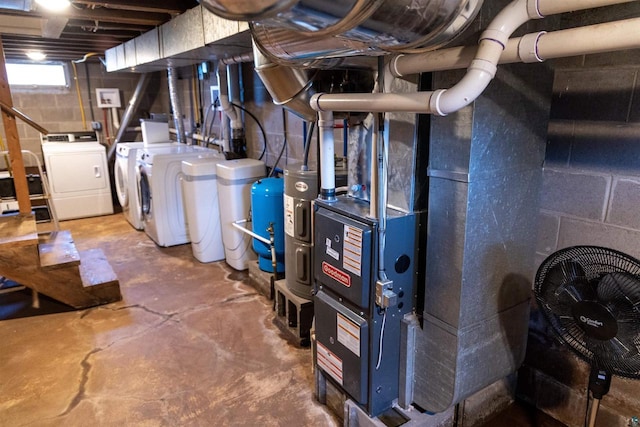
(18, 230)
(57, 250)
(95, 269)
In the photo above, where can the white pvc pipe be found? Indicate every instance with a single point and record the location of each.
(606, 37)
(223, 96)
(481, 70)
(552, 7)
(327, 155)
(599, 38)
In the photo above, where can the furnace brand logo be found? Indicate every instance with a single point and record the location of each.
(336, 274)
(301, 186)
(591, 322)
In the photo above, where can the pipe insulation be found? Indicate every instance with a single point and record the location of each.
(535, 47)
(176, 104)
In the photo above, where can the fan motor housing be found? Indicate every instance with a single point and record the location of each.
(595, 320)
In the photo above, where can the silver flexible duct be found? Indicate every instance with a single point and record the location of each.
(134, 102)
(176, 105)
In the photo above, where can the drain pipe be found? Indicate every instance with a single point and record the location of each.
(237, 129)
(327, 154)
(132, 107)
(176, 105)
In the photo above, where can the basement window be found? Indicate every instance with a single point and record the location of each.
(50, 75)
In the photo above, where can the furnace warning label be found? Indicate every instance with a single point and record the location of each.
(329, 362)
(288, 215)
(352, 250)
(349, 334)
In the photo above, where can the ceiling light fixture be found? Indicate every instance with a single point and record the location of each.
(36, 55)
(54, 5)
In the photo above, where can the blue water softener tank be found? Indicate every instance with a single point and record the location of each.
(267, 206)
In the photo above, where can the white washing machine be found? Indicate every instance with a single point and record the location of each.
(158, 177)
(126, 184)
(79, 178)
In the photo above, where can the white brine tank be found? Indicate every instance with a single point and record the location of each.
(235, 178)
(200, 193)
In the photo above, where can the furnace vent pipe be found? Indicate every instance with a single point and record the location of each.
(176, 105)
(534, 47)
(480, 72)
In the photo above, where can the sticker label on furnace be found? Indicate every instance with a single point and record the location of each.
(329, 362)
(349, 334)
(352, 250)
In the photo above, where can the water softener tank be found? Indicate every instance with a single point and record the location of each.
(267, 208)
(200, 196)
(234, 191)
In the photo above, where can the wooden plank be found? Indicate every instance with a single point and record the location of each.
(18, 230)
(57, 250)
(13, 142)
(95, 269)
(98, 278)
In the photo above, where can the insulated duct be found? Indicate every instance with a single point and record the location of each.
(176, 104)
(288, 87)
(308, 32)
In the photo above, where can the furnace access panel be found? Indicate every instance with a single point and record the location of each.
(349, 324)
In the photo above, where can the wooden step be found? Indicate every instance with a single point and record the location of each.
(18, 230)
(57, 250)
(98, 278)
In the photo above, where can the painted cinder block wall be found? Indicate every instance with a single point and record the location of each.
(59, 110)
(590, 196)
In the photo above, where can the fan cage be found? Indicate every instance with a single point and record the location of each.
(582, 269)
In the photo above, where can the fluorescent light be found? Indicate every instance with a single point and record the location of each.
(36, 55)
(54, 5)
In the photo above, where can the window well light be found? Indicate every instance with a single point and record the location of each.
(36, 55)
(54, 5)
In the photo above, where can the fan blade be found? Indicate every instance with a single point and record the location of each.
(576, 291)
(620, 286)
(564, 272)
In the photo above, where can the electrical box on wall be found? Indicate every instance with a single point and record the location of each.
(215, 92)
(108, 98)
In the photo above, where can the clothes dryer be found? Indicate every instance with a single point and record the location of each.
(79, 178)
(126, 184)
(158, 177)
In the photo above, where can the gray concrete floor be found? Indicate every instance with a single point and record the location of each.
(190, 344)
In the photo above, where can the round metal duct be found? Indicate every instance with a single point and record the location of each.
(308, 32)
(247, 10)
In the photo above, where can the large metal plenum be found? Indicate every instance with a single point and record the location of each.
(485, 174)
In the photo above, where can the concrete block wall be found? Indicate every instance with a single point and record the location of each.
(590, 196)
(58, 109)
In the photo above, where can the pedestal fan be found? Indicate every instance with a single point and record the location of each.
(591, 297)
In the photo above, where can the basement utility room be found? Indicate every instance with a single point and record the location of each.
(296, 213)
